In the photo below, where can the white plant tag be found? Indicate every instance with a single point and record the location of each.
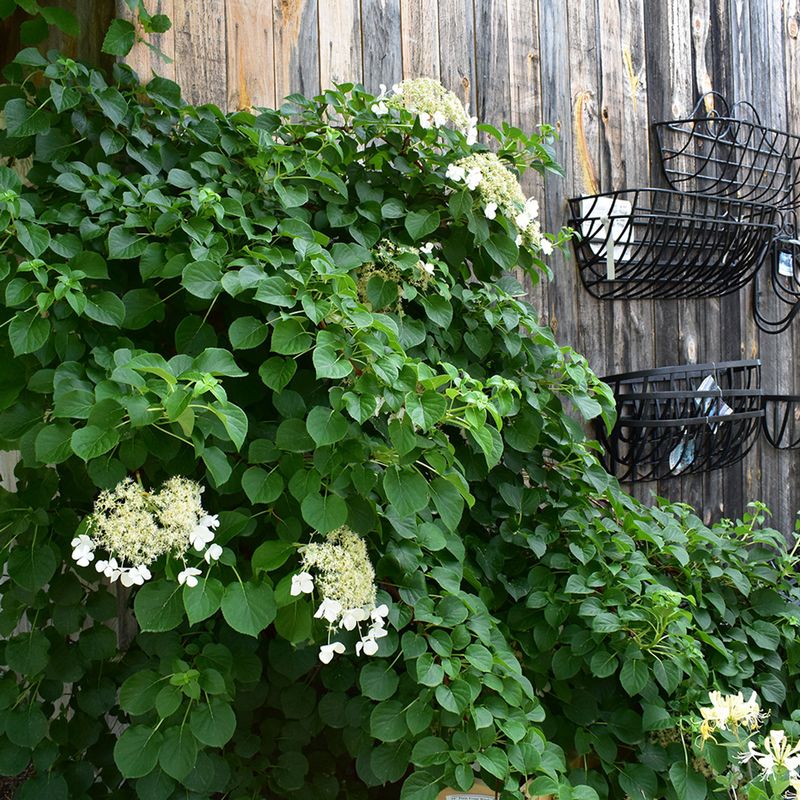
(681, 456)
(614, 232)
(786, 264)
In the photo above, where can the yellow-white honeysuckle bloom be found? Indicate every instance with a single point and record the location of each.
(728, 712)
(778, 752)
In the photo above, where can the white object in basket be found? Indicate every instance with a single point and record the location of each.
(614, 233)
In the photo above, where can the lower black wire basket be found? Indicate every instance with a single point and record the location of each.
(781, 422)
(674, 421)
(659, 243)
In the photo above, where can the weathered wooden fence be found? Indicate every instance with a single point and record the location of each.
(600, 70)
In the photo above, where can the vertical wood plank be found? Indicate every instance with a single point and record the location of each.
(556, 109)
(766, 58)
(419, 20)
(791, 40)
(142, 59)
(296, 47)
(493, 92)
(339, 42)
(526, 106)
(741, 78)
(625, 162)
(250, 54)
(200, 59)
(670, 96)
(723, 330)
(383, 52)
(591, 327)
(457, 49)
(8, 461)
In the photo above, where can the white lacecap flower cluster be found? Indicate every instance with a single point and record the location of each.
(435, 106)
(499, 190)
(135, 527)
(339, 568)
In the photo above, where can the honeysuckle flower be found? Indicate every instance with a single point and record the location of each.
(727, 712)
(188, 576)
(427, 248)
(203, 532)
(473, 178)
(778, 752)
(213, 553)
(547, 246)
(329, 610)
(425, 120)
(302, 583)
(490, 210)
(455, 173)
(83, 550)
(327, 651)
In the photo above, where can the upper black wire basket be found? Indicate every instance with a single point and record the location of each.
(781, 422)
(659, 243)
(725, 150)
(674, 421)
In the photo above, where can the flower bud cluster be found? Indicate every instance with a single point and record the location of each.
(344, 577)
(499, 190)
(135, 527)
(435, 106)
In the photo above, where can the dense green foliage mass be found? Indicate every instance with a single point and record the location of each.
(248, 300)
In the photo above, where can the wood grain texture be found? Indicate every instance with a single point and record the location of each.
(339, 42)
(525, 112)
(767, 53)
(419, 23)
(200, 58)
(144, 60)
(296, 46)
(457, 49)
(625, 162)
(383, 48)
(250, 53)
(556, 109)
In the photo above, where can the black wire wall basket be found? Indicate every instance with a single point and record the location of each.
(781, 421)
(682, 420)
(725, 150)
(659, 243)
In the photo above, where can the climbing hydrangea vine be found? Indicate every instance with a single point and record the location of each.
(300, 509)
